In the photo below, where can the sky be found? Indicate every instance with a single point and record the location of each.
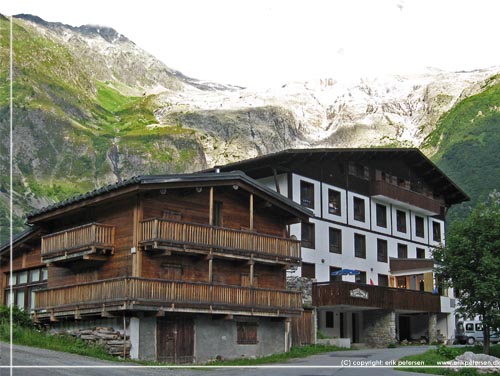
(263, 43)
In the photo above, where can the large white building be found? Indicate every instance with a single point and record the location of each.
(378, 213)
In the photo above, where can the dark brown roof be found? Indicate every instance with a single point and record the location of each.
(284, 161)
(178, 180)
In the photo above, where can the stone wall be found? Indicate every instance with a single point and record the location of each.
(379, 328)
(304, 285)
(112, 340)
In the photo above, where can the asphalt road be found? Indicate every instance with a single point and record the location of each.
(39, 362)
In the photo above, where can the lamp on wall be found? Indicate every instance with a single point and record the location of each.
(199, 189)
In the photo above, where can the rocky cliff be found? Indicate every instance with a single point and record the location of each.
(91, 107)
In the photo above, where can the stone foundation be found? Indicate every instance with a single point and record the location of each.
(379, 328)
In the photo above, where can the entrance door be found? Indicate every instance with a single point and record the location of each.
(342, 331)
(175, 340)
(404, 328)
(355, 328)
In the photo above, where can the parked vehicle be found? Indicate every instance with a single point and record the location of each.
(469, 332)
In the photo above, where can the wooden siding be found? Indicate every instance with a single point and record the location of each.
(161, 293)
(160, 231)
(339, 293)
(303, 329)
(119, 214)
(27, 257)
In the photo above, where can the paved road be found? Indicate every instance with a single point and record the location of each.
(39, 362)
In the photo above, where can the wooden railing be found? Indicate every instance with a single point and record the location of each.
(343, 293)
(206, 236)
(163, 292)
(89, 235)
(395, 192)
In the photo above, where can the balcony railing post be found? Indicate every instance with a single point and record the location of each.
(155, 229)
(65, 240)
(93, 235)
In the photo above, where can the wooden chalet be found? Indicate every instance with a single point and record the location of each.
(174, 261)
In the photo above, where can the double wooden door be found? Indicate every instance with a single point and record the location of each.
(175, 340)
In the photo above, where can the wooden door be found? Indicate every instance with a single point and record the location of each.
(175, 340)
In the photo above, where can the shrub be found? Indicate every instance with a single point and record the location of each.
(19, 317)
(448, 352)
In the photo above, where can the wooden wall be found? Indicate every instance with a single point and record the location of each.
(27, 256)
(180, 204)
(120, 214)
(194, 207)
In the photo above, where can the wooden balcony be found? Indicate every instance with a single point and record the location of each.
(223, 242)
(393, 192)
(410, 264)
(130, 293)
(355, 295)
(90, 242)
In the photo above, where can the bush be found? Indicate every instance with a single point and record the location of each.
(448, 352)
(19, 317)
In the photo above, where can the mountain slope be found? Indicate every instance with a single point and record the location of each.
(468, 142)
(91, 107)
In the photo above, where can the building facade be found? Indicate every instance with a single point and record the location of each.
(188, 267)
(378, 213)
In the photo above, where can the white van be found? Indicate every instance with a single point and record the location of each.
(468, 332)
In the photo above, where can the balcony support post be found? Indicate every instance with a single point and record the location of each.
(251, 262)
(210, 268)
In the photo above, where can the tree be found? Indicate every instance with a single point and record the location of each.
(470, 263)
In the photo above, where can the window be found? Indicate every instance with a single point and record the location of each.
(402, 250)
(359, 209)
(217, 213)
(335, 278)
(334, 206)
(245, 280)
(400, 221)
(335, 240)
(359, 170)
(359, 246)
(307, 235)
(381, 211)
(308, 270)
(171, 271)
(419, 226)
(328, 319)
(24, 285)
(361, 277)
(436, 231)
(401, 282)
(469, 327)
(420, 253)
(307, 194)
(381, 250)
(246, 333)
(383, 280)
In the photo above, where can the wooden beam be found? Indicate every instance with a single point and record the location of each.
(95, 257)
(211, 207)
(275, 174)
(210, 269)
(251, 211)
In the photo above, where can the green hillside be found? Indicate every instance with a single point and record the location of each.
(468, 140)
(72, 133)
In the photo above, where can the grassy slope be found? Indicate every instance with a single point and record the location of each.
(443, 354)
(469, 145)
(65, 124)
